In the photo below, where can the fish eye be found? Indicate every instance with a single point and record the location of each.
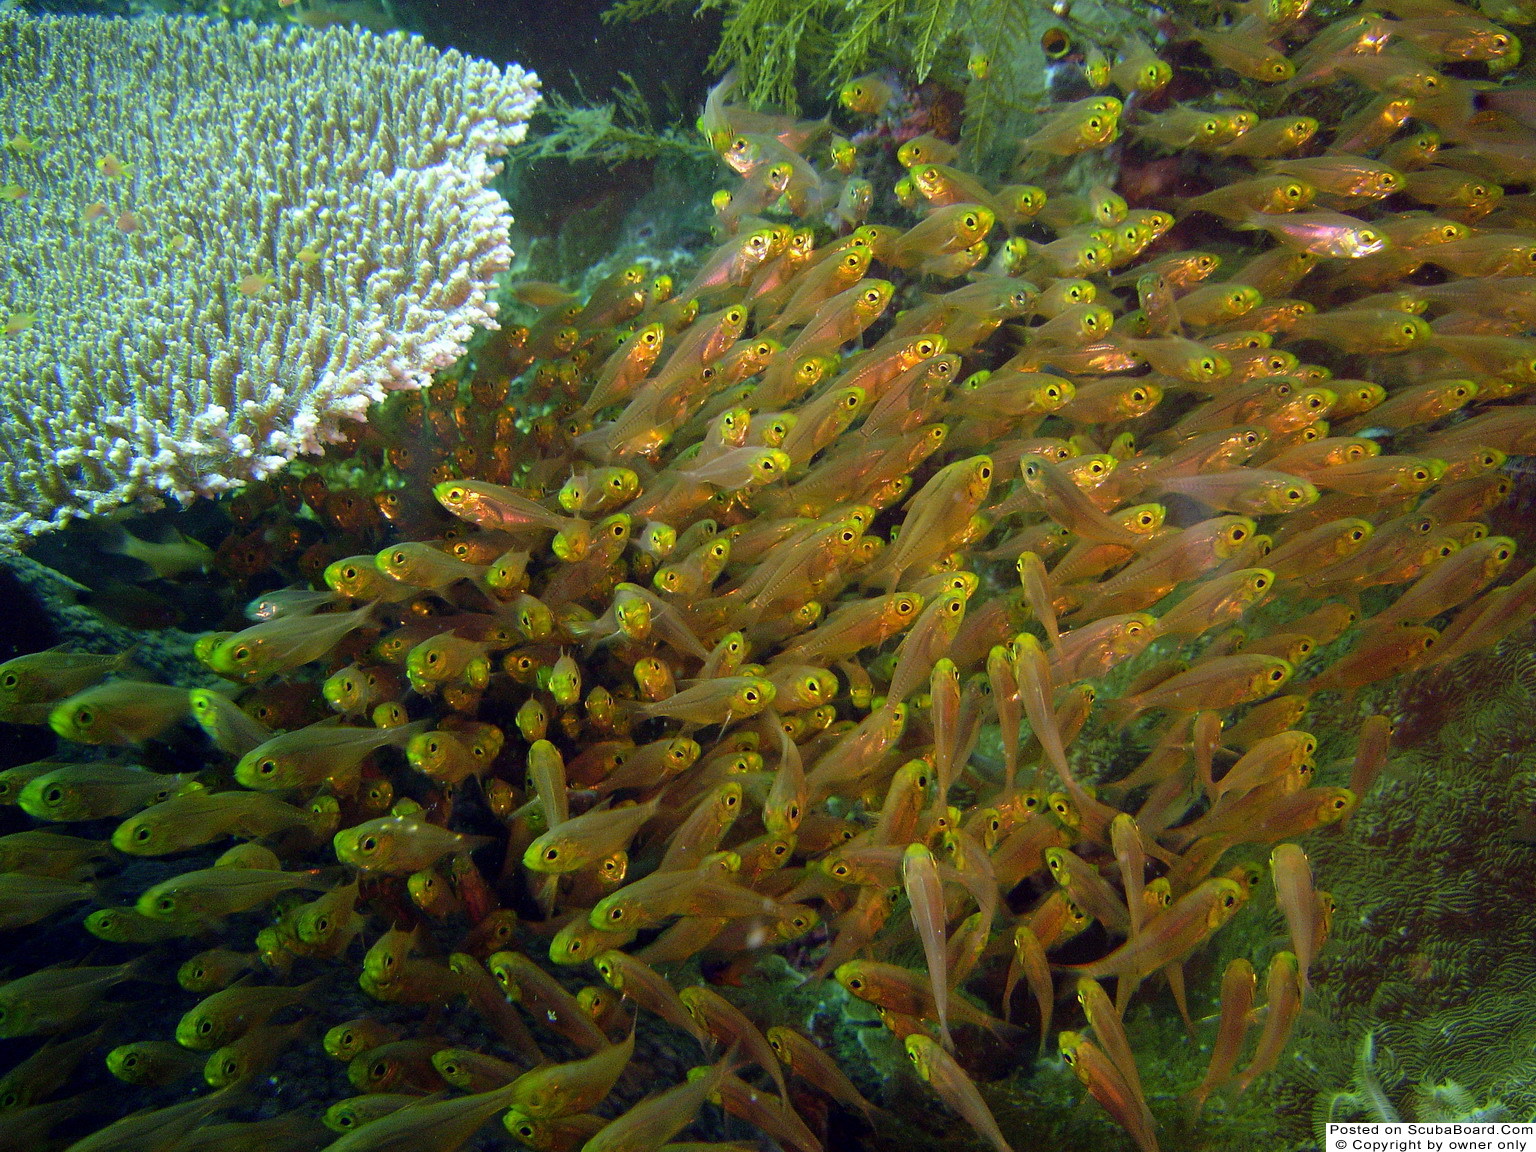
(985, 472)
(204, 1027)
(267, 767)
(1228, 900)
(1277, 674)
(53, 795)
(1094, 123)
(368, 844)
(142, 834)
(11, 680)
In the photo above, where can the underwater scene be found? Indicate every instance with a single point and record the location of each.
(765, 575)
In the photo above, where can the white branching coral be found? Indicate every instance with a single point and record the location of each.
(219, 241)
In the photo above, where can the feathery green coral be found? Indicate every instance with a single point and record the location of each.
(611, 133)
(775, 45)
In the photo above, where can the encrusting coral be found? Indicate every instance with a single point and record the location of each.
(1431, 991)
(221, 242)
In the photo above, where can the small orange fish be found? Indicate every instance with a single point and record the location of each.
(1372, 747)
(925, 894)
(1272, 760)
(806, 1060)
(1107, 1085)
(1378, 654)
(1220, 683)
(1104, 1019)
(868, 95)
(1297, 900)
(1192, 919)
(938, 1068)
(112, 167)
(255, 282)
(1079, 127)
(1282, 1002)
(1239, 986)
(1450, 583)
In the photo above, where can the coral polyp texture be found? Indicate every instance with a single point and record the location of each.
(220, 241)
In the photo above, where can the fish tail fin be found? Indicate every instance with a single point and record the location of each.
(1004, 1031)
(1194, 1103)
(1125, 986)
(1122, 711)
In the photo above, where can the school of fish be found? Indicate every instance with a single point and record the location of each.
(795, 607)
